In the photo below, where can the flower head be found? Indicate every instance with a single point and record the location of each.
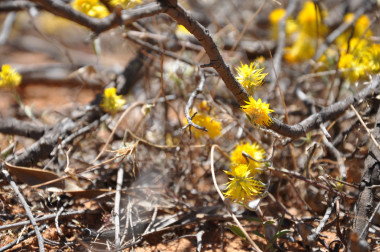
(111, 102)
(302, 49)
(213, 127)
(258, 112)
(242, 185)
(9, 78)
(254, 150)
(275, 17)
(92, 8)
(309, 20)
(250, 77)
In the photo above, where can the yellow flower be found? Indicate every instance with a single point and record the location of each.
(363, 61)
(258, 112)
(254, 150)
(274, 18)
(353, 68)
(276, 15)
(126, 4)
(9, 78)
(250, 77)
(92, 8)
(302, 49)
(374, 52)
(242, 186)
(213, 127)
(111, 102)
(309, 20)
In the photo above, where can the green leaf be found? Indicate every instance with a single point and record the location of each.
(281, 233)
(236, 230)
(270, 222)
(258, 234)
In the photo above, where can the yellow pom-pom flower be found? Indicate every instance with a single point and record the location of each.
(250, 77)
(276, 15)
(9, 78)
(258, 112)
(254, 150)
(111, 102)
(213, 127)
(242, 186)
(309, 20)
(92, 8)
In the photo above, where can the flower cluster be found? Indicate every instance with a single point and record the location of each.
(111, 102)
(213, 126)
(251, 77)
(304, 31)
(96, 9)
(9, 78)
(92, 8)
(243, 185)
(359, 57)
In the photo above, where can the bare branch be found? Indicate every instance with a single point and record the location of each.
(328, 113)
(13, 126)
(118, 17)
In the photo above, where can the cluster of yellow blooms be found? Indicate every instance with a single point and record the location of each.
(304, 31)
(96, 9)
(356, 54)
(111, 102)
(243, 185)
(9, 78)
(214, 127)
(251, 77)
(359, 57)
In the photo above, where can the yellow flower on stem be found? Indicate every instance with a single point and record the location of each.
(111, 102)
(242, 186)
(92, 8)
(254, 150)
(309, 20)
(250, 77)
(213, 127)
(9, 78)
(258, 112)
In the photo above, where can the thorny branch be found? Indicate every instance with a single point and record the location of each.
(190, 103)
